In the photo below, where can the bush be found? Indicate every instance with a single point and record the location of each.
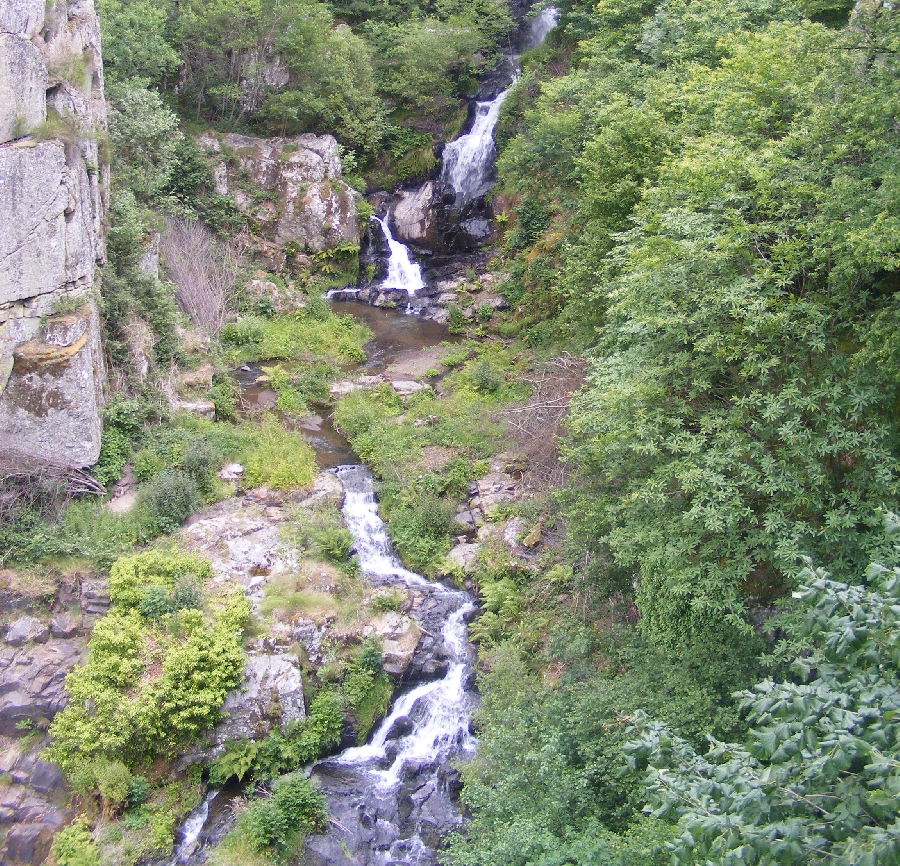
(334, 543)
(113, 783)
(167, 501)
(74, 846)
(294, 810)
(131, 576)
(278, 458)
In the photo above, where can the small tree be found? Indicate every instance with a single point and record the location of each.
(819, 780)
(204, 271)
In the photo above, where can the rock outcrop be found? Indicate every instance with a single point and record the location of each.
(52, 177)
(308, 205)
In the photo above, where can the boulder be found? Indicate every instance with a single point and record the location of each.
(463, 557)
(406, 388)
(411, 216)
(201, 408)
(65, 625)
(26, 629)
(201, 377)
(271, 694)
(312, 208)
(32, 682)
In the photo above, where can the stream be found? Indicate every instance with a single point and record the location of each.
(393, 800)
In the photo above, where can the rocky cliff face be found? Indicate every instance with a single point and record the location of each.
(291, 188)
(52, 182)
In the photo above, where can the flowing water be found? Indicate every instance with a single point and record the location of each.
(403, 273)
(391, 800)
(190, 831)
(469, 159)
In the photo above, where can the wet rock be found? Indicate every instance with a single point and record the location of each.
(411, 217)
(231, 472)
(399, 637)
(27, 629)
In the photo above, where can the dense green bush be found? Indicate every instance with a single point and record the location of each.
(74, 846)
(116, 713)
(815, 780)
(277, 823)
(167, 501)
(278, 458)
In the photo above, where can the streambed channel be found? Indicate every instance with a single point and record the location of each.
(393, 800)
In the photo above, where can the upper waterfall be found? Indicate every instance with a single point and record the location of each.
(468, 160)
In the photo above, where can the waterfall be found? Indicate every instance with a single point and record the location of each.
(468, 160)
(191, 829)
(389, 798)
(403, 273)
(539, 27)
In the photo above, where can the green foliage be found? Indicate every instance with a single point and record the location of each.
(278, 458)
(113, 783)
(316, 330)
(816, 779)
(116, 713)
(74, 845)
(144, 136)
(276, 824)
(134, 40)
(334, 543)
(548, 784)
(280, 752)
(167, 501)
(680, 199)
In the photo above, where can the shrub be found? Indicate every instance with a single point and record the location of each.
(131, 575)
(278, 458)
(74, 845)
(294, 810)
(392, 600)
(167, 501)
(138, 789)
(334, 543)
(113, 783)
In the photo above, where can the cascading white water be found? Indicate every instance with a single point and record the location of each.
(468, 159)
(539, 27)
(426, 728)
(403, 273)
(442, 706)
(191, 829)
